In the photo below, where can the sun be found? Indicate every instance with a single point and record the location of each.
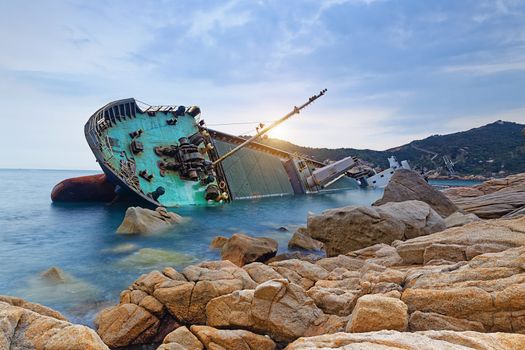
(279, 132)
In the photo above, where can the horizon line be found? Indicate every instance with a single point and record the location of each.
(51, 169)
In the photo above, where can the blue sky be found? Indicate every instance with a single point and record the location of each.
(395, 70)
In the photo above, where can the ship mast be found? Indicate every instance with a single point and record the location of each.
(295, 110)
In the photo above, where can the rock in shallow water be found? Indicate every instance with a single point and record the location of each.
(242, 249)
(55, 275)
(218, 242)
(152, 258)
(302, 240)
(351, 228)
(144, 221)
(54, 286)
(122, 248)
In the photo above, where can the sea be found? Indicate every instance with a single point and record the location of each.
(81, 239)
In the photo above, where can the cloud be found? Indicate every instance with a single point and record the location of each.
(486, 69)
(394, 70)
(511, 58)
(223, 17)
(489, 10)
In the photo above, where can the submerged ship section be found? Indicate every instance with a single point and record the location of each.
(258, 170)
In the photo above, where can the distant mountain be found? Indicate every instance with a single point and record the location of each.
(496, 148)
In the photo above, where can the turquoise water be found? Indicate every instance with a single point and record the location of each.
(80, 238)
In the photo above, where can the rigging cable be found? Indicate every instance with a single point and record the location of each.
(242, 123)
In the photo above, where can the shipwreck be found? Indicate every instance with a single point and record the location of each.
(167, 156)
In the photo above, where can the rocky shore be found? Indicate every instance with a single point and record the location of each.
(492, 199)
(417, 270)
(458, 177)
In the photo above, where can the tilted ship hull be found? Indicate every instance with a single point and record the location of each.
(165, 156)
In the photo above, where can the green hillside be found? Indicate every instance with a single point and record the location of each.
(495, 148)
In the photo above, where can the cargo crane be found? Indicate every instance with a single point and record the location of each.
(449, 165)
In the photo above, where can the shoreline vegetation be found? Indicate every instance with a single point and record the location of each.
(494, 150)
(419, 269)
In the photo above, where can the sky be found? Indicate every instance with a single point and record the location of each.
(395, 70)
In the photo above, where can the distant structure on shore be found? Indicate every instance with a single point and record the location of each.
(493, 150)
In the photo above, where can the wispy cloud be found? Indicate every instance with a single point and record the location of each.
(226, 16)
(486, 69)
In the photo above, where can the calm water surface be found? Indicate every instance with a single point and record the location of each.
(36, 234)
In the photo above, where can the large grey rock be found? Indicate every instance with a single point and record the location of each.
(351, 228)
(408, 185)
(242, 249)
(140, 220)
